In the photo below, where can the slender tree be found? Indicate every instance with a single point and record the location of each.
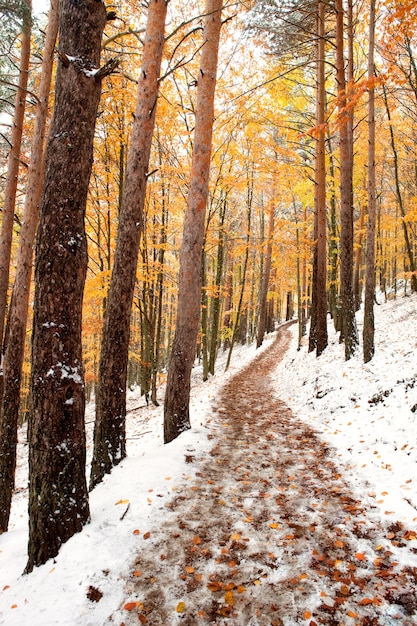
(318, 328)
(265, 279)
(177, 396)
(368, 321)
(349, 330)
(14, 343)
(14, 162)
(110, 424)
(58, 496)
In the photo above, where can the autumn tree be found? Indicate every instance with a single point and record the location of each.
(25, 9)
(110, 428)
(369, 322)
(349, 330)
(58, 496)
(14, 344)
(177, 396)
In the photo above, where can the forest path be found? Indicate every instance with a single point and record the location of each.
(267, 532)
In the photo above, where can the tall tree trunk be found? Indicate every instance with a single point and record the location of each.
(110, 424)
(408, 246)
(358, 260)
(204, 313)
(334, 303)
(368, 320)
(14, 163)
(215, 301)
(237, 321)
(265, 280)
(17, 320)
(58, 496)
(349, 330)
(320, 190)
(177, 396)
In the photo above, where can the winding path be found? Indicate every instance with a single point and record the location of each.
(268, 532)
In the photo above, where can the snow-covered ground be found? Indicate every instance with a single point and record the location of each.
(367, 412)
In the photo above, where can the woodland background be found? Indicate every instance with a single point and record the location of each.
(262, 228)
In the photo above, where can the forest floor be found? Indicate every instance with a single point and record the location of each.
(269, 530)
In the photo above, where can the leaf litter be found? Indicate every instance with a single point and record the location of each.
(289, 542)
(255, 517)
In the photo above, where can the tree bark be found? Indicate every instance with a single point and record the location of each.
(58, 496)
(407, 241)
(265, 280)
(215, 301)
(320, 190)
(349, 330)
(177, 396)
(368, 320)
(13, 164)
(14, 344)
(110, 424)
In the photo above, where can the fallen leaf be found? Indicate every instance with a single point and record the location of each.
(307, 615)
(122, 502)
(180, 607)
(129, 606)
(6, 587)
(147, 535)
(136, 531)
(360, 556)
(365, 601)
(274, 525)
(229, 598)
(352, 614)
(196, 541)
(257, 582)
(338, 543)
(137, 573)
(241, 589)
(235, 536)
(189, 569)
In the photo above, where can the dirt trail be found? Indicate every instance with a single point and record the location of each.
(268, 532)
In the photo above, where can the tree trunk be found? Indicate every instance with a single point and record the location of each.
(17, 320)
(215, 301)
(58, 497)
(177, 397)
(349, 331)
(408, 246)
(368, 320)
(358, 259)
(14, 164)
(265, 280)
(110, 425)
(320, 190)
(244, 272)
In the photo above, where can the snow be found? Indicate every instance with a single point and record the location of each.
(367, 415)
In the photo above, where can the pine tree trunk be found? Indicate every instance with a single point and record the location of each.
(177, 397)
(58, 497)
(320, 190)
(349, 331)
(408, 246)
(110, 424)
(237, 322)
(265, 280)
(215, 302)
(17, 320)
(368, 320)
(13, 164)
